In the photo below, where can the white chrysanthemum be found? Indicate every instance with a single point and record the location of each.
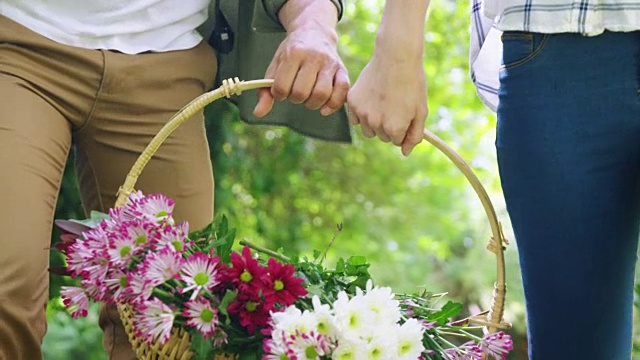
(326, 321)
(382, 343)
(409, 343)
(380, 301)
(292, 320)
(350, 350)
(353, 318)
(289, 322)
(379, 350)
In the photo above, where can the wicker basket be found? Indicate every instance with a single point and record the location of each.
(179, 343)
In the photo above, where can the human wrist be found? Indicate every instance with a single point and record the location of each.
(401, 32)
(397, 49)
(309, 14)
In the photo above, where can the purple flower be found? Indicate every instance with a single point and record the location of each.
(467, 351)
(201, 316)
(157, 208)
(153, 321)
(75, 301)
(161, 266)
(175, 237)
(200, 272)
(497, 345)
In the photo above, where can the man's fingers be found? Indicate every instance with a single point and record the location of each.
(303, 84)
(322, 90)
(265, 103)
(339, 94)
(284, 76)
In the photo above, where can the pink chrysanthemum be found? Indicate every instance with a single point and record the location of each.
(200, 272)
(161, 266)
(121, 250)
(75, 301)
(307, 346)
(174, 236)
(276, 348)
(117, 284)
(130, 210)
(201, 316)
(153, 321)
(89, 258)
(77, 256)
(138, 289)
(142, 233)
(497, 345)
(157, 208)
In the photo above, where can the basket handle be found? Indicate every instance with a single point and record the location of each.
(492, 321)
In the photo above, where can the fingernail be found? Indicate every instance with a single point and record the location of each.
(326, 111)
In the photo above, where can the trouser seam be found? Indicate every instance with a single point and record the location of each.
(98, 92)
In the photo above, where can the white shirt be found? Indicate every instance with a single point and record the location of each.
(128, 26)
(490, 17)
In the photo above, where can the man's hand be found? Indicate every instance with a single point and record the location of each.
(306, 67)
(389, 99)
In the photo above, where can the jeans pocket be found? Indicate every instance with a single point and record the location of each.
(520, 47)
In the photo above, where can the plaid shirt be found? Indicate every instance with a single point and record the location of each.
(489, 19)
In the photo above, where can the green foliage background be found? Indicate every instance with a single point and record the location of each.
(416, 219)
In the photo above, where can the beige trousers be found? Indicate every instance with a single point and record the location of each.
(109, 105)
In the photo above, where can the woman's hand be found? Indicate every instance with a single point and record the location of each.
(389, 99)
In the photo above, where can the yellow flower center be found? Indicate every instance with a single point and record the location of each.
(251, 306)
(278, 285)
(125, 251)
(246, 276)
(206, 315)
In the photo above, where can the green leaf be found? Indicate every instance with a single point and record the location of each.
(93, 221)
(449, 310)
(203, 348)
(357, 260)
(316, 255)
(249, 355)
(228, 298)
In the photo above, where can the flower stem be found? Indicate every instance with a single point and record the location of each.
(162, 295)
(470, 335)
(264, 250)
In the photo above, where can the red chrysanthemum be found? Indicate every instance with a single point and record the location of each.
(246, 273)
(251, 311)
(284, 288)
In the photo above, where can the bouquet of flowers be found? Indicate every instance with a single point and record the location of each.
(255, 303)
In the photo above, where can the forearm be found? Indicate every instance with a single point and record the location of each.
(401, 30)
(296, 14)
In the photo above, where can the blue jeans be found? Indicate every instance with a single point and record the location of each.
(568, 143)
